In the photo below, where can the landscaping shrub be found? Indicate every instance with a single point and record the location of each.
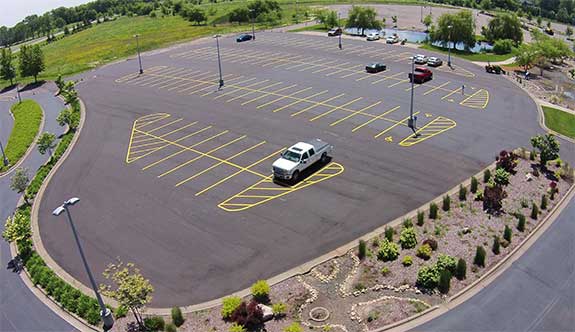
(532, 155)
(444, 281)
(433, 211)
(229, 305)
(446, 203)
(461, 270)
(407, 223)
(261, 291)
(389, 233)
(388, 251)
(424, 252)
(507, 233)
(408, 238)
(462, 193)
(503, 46)
(493, 198)
(154, 323)
(543, 202)
(495, 247)
(534, 211)
(428, 277)
(407, 261)
(524, 203)
(385, 270)
(446, 262)
(279, 309)
(507, 161)
(248, 315)
(486, 176)
(237, 328)
(479, 195)
(362, 249)
(474, 184)
(479, 259)
(177, 316)
(293, 327)
(536, 172)
(171, 327)
(420, 218)
(431, 242)
(521, 223)
(501, 177)
(93, 317)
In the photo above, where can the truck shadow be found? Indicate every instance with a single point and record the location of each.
(303, 175)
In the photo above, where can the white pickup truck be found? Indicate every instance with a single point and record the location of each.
(300, 156)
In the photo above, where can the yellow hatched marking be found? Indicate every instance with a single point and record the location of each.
(137, 124)
(335, 109)
(393, 126)
(220, 163)
(479, 99)
(242, 169)
(435, 127)
(379, 117)
(233, 204)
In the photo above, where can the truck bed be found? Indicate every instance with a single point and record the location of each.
(317, 144)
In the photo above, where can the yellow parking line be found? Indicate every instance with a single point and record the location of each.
(339, 70)
(265, 95)
(240, 171)
(436, 88)
(220, 163)
(177, 80)
(397, 83)
(210, 87)
(179, 140)
(354, 114)
(251, 92)
(165, 125)
(283, 97)
(415, 86)
(375, 118)
(299, 101)
(387, 78)
(204, 154)
(452, 92)
(335, 109)
(163, 77)
(247, 86)
(317, 104)
(393, 126)
(200, 76)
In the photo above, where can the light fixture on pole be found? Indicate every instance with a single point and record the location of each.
(105, 313)
(5, 160)
(252, 11)
(138, 47)
(411, 121)
(450, 27)
(221, 84)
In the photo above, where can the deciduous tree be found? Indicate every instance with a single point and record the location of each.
(31, 61)
(7, 70)
(19, 181)
(462, 29)
(46, 142)
(363, 18)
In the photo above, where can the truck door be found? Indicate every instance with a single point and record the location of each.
(305, 158)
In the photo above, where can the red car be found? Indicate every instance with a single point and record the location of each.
(421, 75)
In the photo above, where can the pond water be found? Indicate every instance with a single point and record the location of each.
(420, 37)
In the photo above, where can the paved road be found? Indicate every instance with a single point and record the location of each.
(20, 310)
(537, 293)
(192, 250)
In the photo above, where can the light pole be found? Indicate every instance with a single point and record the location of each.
(18, 92)
(341, 31)
(138, 47)
(421, 16)
(105, 313)
(252, 11)
(3, 155)
(412, 119)
(449, 47)
(219, 61)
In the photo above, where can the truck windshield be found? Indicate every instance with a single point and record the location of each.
(291, 156)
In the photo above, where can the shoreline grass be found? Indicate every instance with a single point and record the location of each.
(27, 119)
(481, 57)
(559, 121)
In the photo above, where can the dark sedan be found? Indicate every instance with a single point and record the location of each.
(244, 37)
(375, 67)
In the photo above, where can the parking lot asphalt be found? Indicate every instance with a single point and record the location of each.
(174, 175)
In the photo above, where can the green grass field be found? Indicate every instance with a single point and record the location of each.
(559, 121)
(482, 57)
(27, 119)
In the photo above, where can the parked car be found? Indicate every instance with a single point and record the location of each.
(420, 59)
(299, 157)
(375, 67)
(372, 36)
(434, 61)
(334, 32)
(392, 39)
(244, 37)
(421, 74)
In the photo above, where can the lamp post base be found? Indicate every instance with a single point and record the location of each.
(108, 319)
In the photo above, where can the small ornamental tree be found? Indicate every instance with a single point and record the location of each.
(69, 117)
(462, 193)
(543, 202)
(495, 248)
(433, 211)
(486, 175)
(177, 316)
(389, 233)
(501, 177)
(19, 181)
(461, 270)
(131, 289)
(507, 233)
(548, 147)
(420, 218)
(248, 315)
(17, 228)
(521, 223)
(474, 184)
(46, 142)
(388, 251)
(446, 203)
(362, 249)
(534, 211)
(507, 161)
(479, 259)
(444, 281)
(408, 238)
(493, 197)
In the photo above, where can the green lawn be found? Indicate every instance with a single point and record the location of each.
(27, 119)
(482, 57)
(315, 27)
(559, 121)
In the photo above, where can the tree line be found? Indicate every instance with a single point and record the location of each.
(30, 63)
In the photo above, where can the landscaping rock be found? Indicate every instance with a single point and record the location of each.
(268, 312)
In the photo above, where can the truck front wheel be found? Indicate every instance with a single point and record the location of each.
(295, 176)
(323, 158)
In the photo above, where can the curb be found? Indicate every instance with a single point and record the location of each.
(30, 148)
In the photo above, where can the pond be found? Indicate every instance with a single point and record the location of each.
(419, 37)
